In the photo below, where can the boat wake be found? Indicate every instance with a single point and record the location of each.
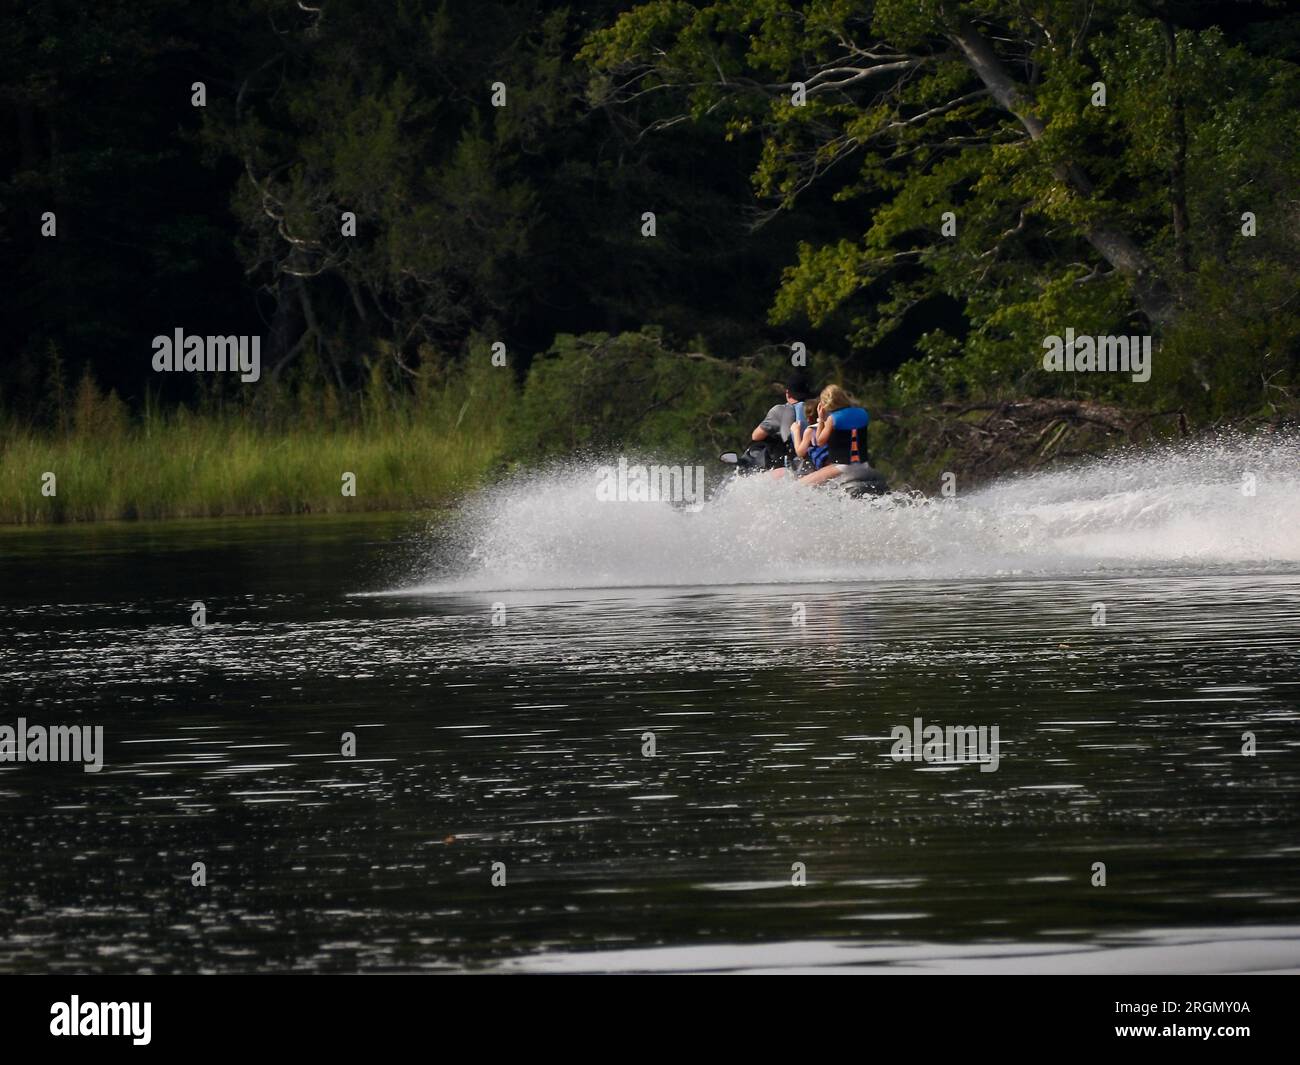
(1230, 503)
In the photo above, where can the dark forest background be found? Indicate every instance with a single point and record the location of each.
(517, 223)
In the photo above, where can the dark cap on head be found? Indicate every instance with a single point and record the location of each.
(799, 385)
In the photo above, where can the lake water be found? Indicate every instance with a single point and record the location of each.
(504, 670)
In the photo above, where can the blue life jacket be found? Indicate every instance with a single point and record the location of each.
(848, 442)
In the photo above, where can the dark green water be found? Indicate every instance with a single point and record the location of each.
(522, 743)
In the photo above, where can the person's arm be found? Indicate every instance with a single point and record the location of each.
(803, 438)
(769, 425)
(824, 432)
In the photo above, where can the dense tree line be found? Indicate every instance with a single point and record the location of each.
(798, 158)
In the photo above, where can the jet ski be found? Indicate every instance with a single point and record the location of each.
(860, 480)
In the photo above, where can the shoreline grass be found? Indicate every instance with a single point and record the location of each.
(233, 463)
(201, 468)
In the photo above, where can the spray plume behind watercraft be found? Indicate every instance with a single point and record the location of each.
(1183, 507)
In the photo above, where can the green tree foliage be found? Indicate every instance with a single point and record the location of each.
(1112, 219)
(596, 393)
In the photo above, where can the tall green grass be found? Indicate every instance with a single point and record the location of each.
(406, 450)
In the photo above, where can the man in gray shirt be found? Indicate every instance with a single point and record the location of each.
(782, 416)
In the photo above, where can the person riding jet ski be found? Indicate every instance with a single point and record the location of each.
(842, 431)
(774, 431)
(810, 454)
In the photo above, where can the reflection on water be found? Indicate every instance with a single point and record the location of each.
(522, 743)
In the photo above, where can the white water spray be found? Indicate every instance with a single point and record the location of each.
(1172, 509)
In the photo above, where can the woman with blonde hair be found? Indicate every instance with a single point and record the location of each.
(842, 431)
